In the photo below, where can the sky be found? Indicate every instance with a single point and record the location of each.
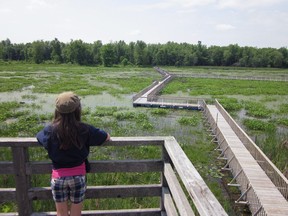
(256, 23)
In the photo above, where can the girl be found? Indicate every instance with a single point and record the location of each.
(67, 141)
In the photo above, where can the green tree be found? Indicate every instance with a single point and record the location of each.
(56, 54)
(284, 52)
(6, 50)
(96, 52)
(161, 56)
(276, 59)
(248, 54)
(232, 55)
(140, 53)
(121, 51)
(78, 52)
(215, 55)
(38, 51)
(131, 50)
(108, 55)
(201, 53)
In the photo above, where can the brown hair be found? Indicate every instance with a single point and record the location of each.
(67, 126)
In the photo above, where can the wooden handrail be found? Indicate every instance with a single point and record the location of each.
(280, 181)
(169, 189)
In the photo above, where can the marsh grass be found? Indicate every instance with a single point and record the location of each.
(257, 109)
(218, 87)
(259, 125)
(191, 121)
(186, 126)
(264, 103)
(231, 71)
(230, 104)
(56, 78)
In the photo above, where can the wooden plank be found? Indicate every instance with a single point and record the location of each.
(104, 166)
(120, 212)
(23, 181)
(252, 172)
(112, 191)
(11, 214)
(247, 141)
(178, 195)
(168, 203)
(203, 199)
(7, 194)
(115, 141)
(124, 191)
(6, 167)
(127, 166)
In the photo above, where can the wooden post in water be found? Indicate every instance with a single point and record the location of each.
(20, 159)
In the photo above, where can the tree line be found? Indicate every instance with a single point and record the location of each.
(140, 53)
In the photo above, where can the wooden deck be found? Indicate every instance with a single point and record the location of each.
(258, 191)
(178, 180)
(143, 102)
(147, 97)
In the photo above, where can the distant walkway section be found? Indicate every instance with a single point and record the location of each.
(258, 78)
(149, 97)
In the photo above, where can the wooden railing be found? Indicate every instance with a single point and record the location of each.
(135, 97)
(178, 177)
(279, 180)
(283, 78)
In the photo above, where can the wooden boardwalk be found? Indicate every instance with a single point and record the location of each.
(143, 102)
(264, 195)
(258, 191)
(147, 98)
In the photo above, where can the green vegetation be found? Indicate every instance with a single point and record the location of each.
(259, 106)
(262, 111)
(200, 86)
(141, 54)
(259, 125)
(192, 121)
(90, 80)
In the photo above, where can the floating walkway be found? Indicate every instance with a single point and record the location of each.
(263, 187)
(257, 189)
(148, 97)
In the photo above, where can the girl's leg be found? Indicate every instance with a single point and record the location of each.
(77, 193)
(75, 209)
(62, 208)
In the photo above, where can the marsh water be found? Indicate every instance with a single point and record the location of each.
(193, 139)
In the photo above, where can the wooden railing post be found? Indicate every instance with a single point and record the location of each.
(20, 159)
(165, 159)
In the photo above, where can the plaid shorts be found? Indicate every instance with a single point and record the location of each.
(71, 187)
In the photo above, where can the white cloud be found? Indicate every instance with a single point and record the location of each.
(191, 3)
(224, 27)
(5, 10)
(35, 4)
(168, 4)
(135, 32)
(243, 4)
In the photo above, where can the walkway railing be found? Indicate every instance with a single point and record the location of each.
(257, 190)
(178, 177)
(280, 79)
(270, 169)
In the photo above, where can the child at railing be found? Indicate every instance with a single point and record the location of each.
(67, 141)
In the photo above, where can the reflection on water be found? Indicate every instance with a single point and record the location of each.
(105, 99)
(47, 101)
